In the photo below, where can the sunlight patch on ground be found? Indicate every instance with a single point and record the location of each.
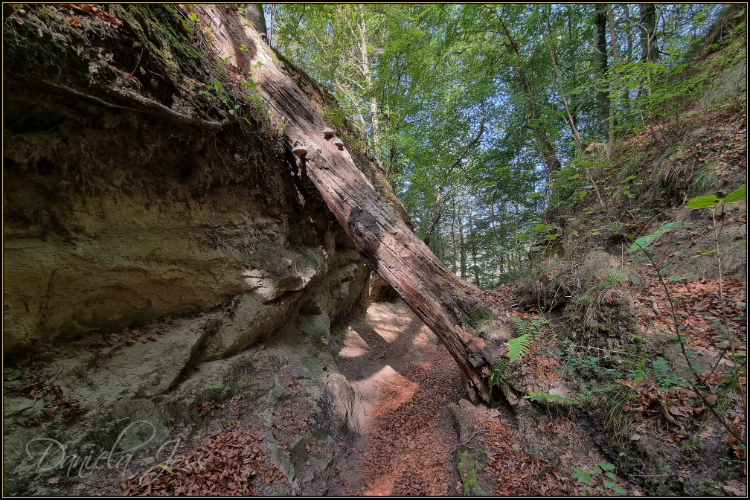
(390, 335)
(425, 337)
(354, 345)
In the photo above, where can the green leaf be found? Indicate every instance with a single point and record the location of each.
(576, 176)
(539, 227)
(701, 254)
(620, 490)
(643, 242)
(610, 475)
(535, 195)
(244, 48)
(606, 466)
(582, 476)
(738, 195)
(517, 347)
(703, 202)
(165, 467)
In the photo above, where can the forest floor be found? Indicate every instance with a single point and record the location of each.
(418, 435)
(423, 439)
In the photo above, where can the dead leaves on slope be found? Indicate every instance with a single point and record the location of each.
(223, 464)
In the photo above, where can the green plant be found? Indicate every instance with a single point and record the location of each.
(616, 419)
(613, 278)
(706, 490)
(517, 348)
(545, 397)
(705, 178)
(691, 442)
(714, 204)
(467, 466)
(609, 483)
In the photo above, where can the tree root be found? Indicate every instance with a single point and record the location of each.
(146, 105)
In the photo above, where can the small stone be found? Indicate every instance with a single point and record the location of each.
(635, 437)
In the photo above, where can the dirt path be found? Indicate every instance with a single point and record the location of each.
(419, 431)
(405, 379)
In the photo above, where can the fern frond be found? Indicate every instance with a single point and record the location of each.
(518, 346)
(521, 326)
(499, 376)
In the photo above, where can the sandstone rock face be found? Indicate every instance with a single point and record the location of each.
(129, 261)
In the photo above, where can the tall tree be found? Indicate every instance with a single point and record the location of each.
(600, 62)
(648, 21)
(615, 80)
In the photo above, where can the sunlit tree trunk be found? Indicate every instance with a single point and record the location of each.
(473, 241)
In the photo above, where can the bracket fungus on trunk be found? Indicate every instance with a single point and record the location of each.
(339, 143)
(328, 132)
(300, 151)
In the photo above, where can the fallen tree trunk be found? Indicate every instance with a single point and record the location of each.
(440, 299)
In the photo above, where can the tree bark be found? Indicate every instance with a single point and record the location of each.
(462, 243)
(615, 81)
(649, 46)
(600, 61)
(254, 14)
(551, 49)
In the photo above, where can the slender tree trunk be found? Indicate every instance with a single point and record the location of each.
(367, 73)
(628, 58)
(453, 235)
(649, 45)
(473, 241)
(600, 61)
(518, 244)
(462, 242)
(615, 80)
(546, 144)
(551, 49)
